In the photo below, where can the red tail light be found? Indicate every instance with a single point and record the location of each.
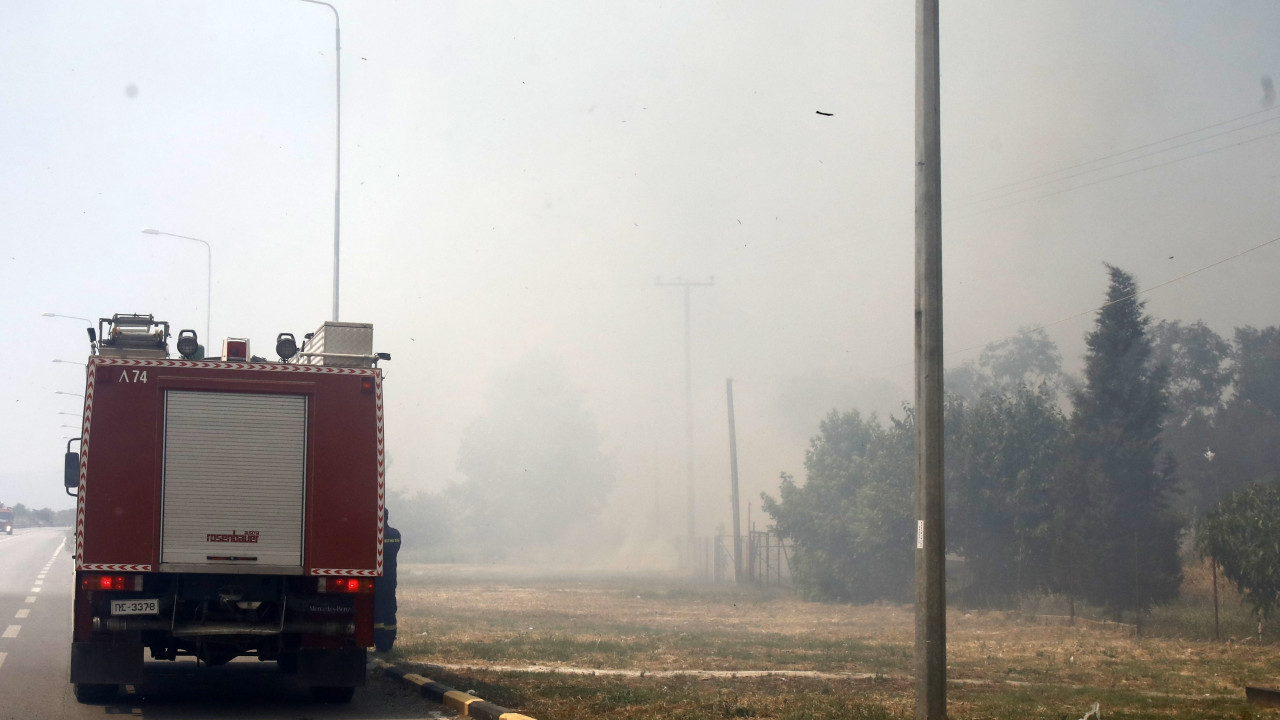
(95, 581)
(345, 585)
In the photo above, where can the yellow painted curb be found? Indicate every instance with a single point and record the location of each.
(455, 700)
(417, 679)
(514, 716)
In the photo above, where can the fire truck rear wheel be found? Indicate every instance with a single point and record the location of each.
(331, 694)
(95, 693)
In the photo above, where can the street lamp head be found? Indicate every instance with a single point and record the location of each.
(208, 281)
(60, 315)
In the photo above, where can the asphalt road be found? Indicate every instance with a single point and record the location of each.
(35, 647)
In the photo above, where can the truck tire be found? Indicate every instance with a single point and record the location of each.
(95, 693)
(332, 694)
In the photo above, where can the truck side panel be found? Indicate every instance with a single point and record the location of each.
(344, 533)
(120, 493)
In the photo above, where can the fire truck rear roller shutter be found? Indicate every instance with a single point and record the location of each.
(235, 467)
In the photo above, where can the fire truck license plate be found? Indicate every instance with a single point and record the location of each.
(135, 607)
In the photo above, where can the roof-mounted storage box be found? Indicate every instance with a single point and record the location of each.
(340, 344)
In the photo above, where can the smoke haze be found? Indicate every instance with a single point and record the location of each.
(514, 178)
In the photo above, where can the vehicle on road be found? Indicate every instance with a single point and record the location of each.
(6, 520)
(227, 506)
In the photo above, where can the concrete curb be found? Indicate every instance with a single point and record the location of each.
(464, 704)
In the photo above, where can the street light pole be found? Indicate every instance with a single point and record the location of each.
(337, 181)
(208, 280)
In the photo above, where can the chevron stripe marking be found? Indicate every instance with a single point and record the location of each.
(211, 365)
(84, 462)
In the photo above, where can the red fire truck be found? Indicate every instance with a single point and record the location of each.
(227, 506)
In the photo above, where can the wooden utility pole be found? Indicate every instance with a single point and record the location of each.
(733, 474)
(688, 286)
(931, 597)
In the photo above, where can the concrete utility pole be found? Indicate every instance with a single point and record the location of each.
(733, 474)
(688, 286)
(931, 597)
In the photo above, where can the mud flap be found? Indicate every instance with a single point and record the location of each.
(335, 668)
(106, 663)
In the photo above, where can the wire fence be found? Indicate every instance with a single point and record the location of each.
(766, 559)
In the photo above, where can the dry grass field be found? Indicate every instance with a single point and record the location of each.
(588, 647)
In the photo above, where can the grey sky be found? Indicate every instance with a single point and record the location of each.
(515, 175)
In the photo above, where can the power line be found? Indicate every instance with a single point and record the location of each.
(1144, 146)
(1116, 177)
(972, 201)
(1189, 143)
(1081, 314)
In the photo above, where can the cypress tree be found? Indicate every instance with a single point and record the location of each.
(1127, 533)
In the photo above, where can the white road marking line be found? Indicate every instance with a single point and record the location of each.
(35, 589)
(23, 613)
(39, 582)
(31, 599)
(2, 656)
(11, 631)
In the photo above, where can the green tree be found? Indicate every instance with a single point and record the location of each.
(1200, 373)
(1004, 452)
(1240, 443)
(1119, 488)
(851, 520)
(1258, 367)
(1243, 536)
(1199, 368)
(1029, 359)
